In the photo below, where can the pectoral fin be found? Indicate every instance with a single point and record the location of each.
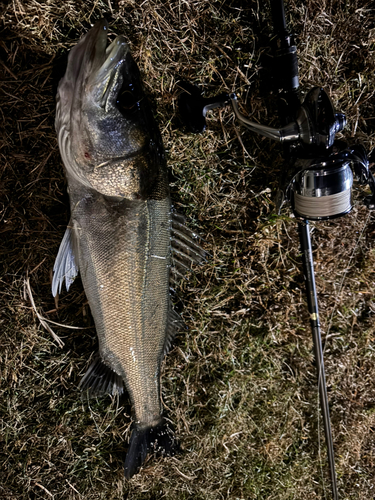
(65, 268)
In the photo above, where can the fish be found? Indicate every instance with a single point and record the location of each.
(123, 237)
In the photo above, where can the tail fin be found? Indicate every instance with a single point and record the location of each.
(159, 439)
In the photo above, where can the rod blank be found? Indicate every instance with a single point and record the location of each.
(312, 303)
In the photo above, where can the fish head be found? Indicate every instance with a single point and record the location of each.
(107, 135)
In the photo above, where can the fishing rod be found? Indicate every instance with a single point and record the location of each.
(319, 178)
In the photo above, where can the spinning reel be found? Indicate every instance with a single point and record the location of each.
(319, 188)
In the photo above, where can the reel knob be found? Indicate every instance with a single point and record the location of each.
(193, 106)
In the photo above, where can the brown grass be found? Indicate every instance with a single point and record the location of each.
(240, 383)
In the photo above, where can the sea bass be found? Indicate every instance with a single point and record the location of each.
(122, 236)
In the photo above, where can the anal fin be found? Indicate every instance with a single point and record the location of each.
(100, 379)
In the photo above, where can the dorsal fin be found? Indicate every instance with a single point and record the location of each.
(174, 323)
(65, 268)
(186, 249)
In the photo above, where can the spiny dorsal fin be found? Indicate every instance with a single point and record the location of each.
(186, 249)
(100, 380)
(65, 268)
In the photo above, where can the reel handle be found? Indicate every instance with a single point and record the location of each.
(193, 106)
(315, 125)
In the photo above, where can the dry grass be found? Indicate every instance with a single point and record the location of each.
(240, 383)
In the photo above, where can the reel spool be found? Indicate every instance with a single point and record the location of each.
(323, 190)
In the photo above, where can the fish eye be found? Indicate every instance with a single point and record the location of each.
(126, 101)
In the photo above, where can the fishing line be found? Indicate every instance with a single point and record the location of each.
(322, 206)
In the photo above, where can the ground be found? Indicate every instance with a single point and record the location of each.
(239, 383)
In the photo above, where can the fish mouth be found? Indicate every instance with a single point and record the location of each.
(107, 76)
(110, 72)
